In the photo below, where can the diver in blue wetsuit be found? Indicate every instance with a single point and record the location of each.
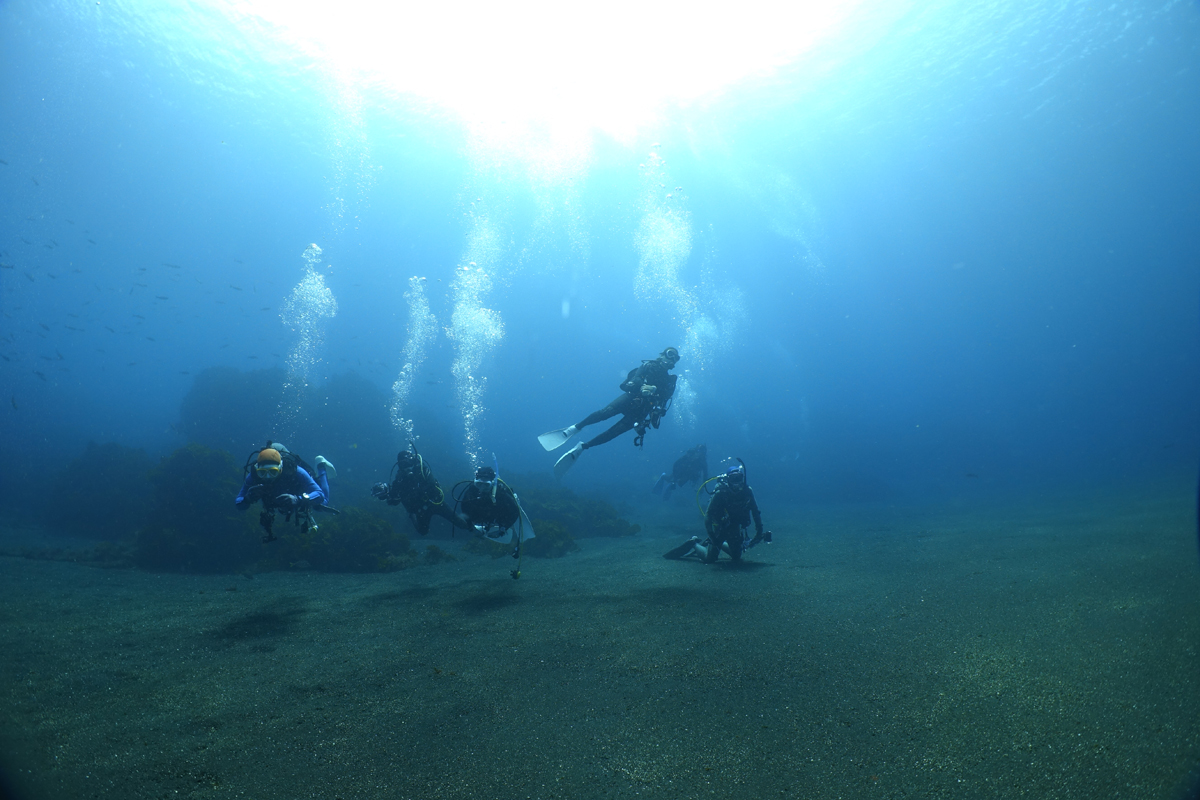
(284, 483)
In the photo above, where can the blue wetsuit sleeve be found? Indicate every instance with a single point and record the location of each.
(241, 501)
(309, 487)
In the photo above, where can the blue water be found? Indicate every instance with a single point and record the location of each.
(949, 251)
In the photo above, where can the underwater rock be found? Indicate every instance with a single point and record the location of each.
(193, 525)
(102, 494)
(225, 407)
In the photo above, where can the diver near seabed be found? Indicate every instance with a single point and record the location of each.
(691, 466)
(418, 491)
(726, 520)
(646, 397)
(493, 510)
(284, 483)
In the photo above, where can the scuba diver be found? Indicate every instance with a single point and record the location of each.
(726, 520)
(646, 397)
(691, 466)
(492, 508)
(284, 483)
(418, 491)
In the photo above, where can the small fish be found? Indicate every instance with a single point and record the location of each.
(40, 375)
(6, 266)
(172, 266)
(72, 316)
(29, 275)
(236, 261)
(141, 269)
(131, 363)
(51, 275)
(265, 308)
(151, 338)
(2, 161)
(60, 355)
(35, 183)
(139, 316)
(23, 239)
(6, 358)
(235, 288)
(91, 241)
(70, 222)
(44, 326)
(110, 330)
(73, 328)
(162, 297)
(143, 285)
(14, 402)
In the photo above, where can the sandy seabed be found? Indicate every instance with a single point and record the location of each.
(1045, 649)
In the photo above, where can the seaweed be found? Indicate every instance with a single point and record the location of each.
(194, 525)
(102, 494)
(436, 555)
(582, 517)
(553, 540)
(353, 541)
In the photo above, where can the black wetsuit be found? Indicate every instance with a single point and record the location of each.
(727, 518)
(633, 406)
(478, 508)
(418, 491)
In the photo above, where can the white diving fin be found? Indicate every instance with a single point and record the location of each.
(526, 525)
(567, 461)
(552, 440)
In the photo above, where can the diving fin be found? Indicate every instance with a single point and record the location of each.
(683, 549)
(527, 526)
(662, 481)
(567, 461)
(552, 440)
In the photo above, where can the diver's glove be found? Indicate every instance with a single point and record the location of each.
(288, 502)
(380, 490)
(255, 492)
(648, 390)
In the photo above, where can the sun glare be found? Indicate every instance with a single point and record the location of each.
(604, 66)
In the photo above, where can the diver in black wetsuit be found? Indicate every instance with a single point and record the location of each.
(418, 491)
(726, 521)
(691, 466)
(646, 396)
(489, 505)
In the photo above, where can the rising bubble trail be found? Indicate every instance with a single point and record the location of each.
(305, 312)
